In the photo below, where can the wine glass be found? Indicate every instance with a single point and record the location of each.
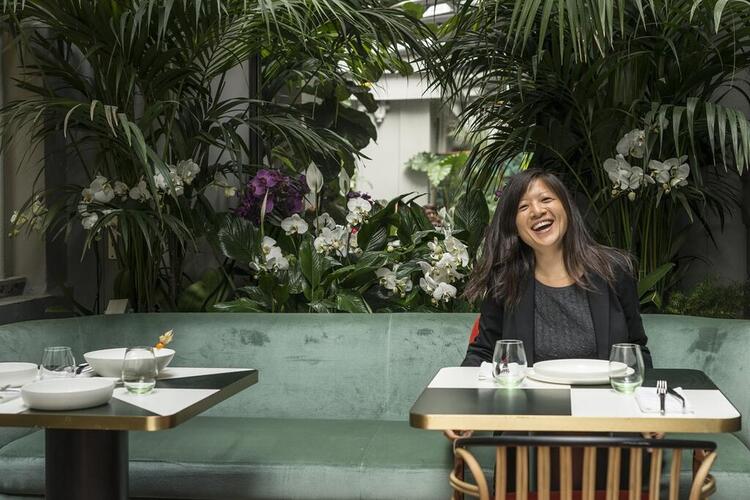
(626, 368)
(509, 363)
(57, 362)
(139, 370)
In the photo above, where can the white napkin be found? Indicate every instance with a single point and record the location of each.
(648, 401)
(8, 395)
(485, 371)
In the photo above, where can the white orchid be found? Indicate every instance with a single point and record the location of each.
(392, 245)
(294, 225)
(389, 280)
(187, 170)
(456, 247)
(324, 220)
(267, 245)
(679, 171)
(359, 211)
(89, 220)
(101, 190)
(140, 191)
(440, 291)
(632, 144)
(659, 171)
(624, 176)
(160, 182)
(121, 190)
(336, 240)
(275, 259)
(272, 257)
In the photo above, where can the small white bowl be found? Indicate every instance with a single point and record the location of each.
(108, 362)
(17, 373)
(67, 393)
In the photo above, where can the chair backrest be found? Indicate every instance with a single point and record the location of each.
(544, 446)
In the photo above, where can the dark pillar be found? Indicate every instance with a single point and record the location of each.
(86, 465)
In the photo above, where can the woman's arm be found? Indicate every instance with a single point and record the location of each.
(490, 331)
(627, 292)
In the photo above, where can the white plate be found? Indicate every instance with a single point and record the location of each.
(567, 381)
(67, 393)
(16, 374)
(108, 362)
(583, 370)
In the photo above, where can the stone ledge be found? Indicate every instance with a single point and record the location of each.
(28, 307)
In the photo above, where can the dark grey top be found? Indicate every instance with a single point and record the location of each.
(563, 327)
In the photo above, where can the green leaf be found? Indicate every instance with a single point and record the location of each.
(473, 215)
(239, 305)
(238, 240)
(648, 282)
(351, 302)
(203, 293)
(312, 264)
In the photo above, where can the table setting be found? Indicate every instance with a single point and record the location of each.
(59, 384)
(596, 395)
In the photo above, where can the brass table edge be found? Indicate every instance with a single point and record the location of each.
(572, 423)
(127, 423)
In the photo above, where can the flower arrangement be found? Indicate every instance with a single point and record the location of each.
(367, 257)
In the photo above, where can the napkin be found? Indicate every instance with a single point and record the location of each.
(648, 401)
(485, 371)
(8, 395)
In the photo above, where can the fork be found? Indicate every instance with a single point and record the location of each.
(661, 390)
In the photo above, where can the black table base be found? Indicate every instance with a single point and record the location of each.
(86, 465)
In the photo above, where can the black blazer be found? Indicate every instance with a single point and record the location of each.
(615, 312)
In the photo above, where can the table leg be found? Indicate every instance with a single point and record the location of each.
(86, 464)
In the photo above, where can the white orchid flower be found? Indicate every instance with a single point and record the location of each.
(324, 220)
(392, 245)
(121, 189)
(161, 182)
(444, 292)
(267, 245)
(457, 248)
(294, 225)
(660, 171)
(359, 210)
(314, 178)
(101, 189)
(387, 278)
(679, 171)
(632, 144)
(275, 260)
(221, 181)
(87, 195)
(140, 191)
(187, 170)
(619, 170)
(89, 220)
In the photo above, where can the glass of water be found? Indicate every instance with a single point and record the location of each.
(139, 370)
(57, 362)
(626, 368)
(509, 363)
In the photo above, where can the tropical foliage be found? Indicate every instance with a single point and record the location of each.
(565, 82)
(139, 90)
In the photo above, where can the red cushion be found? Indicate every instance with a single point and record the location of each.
(474, 331)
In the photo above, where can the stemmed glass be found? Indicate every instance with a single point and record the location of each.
(57, 362)
(626, 368)
(509, 363)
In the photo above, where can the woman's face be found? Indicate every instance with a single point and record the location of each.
(541, 219)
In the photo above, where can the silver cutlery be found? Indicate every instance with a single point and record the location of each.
(9, 388)
(661, 390)
(677, 395)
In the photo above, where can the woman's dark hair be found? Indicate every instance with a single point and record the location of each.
(506, 260)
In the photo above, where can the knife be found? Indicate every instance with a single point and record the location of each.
(677, 395)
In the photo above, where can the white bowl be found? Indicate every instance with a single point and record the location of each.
(108, 362)
(17, 373)
(67, 393)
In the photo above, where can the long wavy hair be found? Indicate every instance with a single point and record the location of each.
(506, 261)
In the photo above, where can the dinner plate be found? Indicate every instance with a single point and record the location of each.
(596, 380)
(15, 374)
(67, 393)
(583, 370)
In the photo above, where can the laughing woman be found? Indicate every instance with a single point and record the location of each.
(544, 280)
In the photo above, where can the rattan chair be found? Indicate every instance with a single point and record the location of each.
(545, 446)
